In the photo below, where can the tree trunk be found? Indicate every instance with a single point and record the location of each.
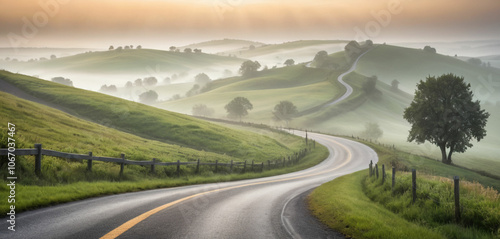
(444, 158)
(448, 161)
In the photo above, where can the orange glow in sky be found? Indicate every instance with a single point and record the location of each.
(100, 22)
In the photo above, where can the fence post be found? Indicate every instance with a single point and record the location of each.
(307, 140)
(383, 173)
(231, 167)
(269, 164)
(198, 167)
(245, 167)
(414, 184)
(371, 168)
(122, 164)
(284, 160)
(262, 167)
(216, 166)
(376, 169)
(456, 181)
(178, 168)
(89, 163)
(252, 165)
(393, 178)
(38, 160)
(153, 166)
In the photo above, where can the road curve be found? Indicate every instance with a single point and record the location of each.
(347, 86)
(256, 208)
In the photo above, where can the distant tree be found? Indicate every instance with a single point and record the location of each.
(167, 81)
(289, 62)
(321, 59)
(202, 79)
(108, 89)
(430, 49)
(251, 47)
(126, 47)
(197, 51)
(52, 57)
(238, 107)
(119, 48)
(172, 48)
(129, 84)
(368, 43)
(188, 50)
(7, 59)
(370, 86)
(395, 85)
(62, 80)
(176, 97)
(150, 81)
(193, 91)
(175, 77)
(284, 111)
(138, 47)
(248, 68)
(202, 110)
(148, 97)
(474, 61)
(43, 59)
(372, 131)
(111, 48)
(227, 73)
(444, 113)
(138, 82)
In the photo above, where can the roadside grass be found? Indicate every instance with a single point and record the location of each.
(30, 197)
(345, 204)
(435, 205)
(342, 205)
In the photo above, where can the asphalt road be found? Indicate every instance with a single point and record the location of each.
(347, 86)
(272, 207)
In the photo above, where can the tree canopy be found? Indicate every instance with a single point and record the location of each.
(284, 111)
(444, 113)
(238, 107)
(148, 97)
(249, 67)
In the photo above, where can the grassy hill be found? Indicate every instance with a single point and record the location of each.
(224, 45)
(136, 61)
(305, 87)
(408, 66)
(144, 121)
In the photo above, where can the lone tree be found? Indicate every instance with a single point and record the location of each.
(444, 114)
(202, 110)
(248, 68)
(238, 107)
(284, 111)
(289, 62)
(148, 97)
(372, 131)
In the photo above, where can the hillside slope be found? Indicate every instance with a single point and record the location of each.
(145, 121)
(408, 66)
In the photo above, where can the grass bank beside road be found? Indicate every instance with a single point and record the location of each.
(363, 207)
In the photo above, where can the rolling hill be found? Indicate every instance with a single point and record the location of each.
(141, 120)
(408, 66)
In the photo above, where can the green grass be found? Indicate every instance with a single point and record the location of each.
(435, 205)
(342, 205)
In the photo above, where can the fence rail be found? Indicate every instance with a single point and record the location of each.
(39, 152)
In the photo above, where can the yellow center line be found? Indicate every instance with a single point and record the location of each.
(134, 221)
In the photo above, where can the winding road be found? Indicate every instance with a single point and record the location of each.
(271, 207)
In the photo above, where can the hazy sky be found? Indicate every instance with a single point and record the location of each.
(162, 23)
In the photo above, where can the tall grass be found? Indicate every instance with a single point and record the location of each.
(434, 208)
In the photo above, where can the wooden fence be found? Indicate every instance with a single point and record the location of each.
(374, 171)
(39, 152)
